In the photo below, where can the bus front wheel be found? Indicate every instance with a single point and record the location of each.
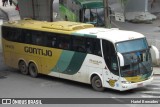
(97, 83)
(23, 67)
(33, 71)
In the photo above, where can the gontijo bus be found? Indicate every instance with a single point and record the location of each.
(111, 58)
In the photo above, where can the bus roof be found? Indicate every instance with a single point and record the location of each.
(77, 29)
(90, 4)
(65, 27)
(113, 35)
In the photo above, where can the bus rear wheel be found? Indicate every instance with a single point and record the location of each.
(97, 83)
(23, 67)
(33, 71)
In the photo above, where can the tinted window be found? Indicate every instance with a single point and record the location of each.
(51, 40)
(87, 45)
(27, 36)
(79, 44)
(12, 34)
(38, 38)
(93, 46)
(64, 42)
(60, 41)
(54, 40)
(110, 57)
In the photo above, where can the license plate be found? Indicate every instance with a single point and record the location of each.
(140, 85)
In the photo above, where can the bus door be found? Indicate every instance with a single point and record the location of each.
(111, 75)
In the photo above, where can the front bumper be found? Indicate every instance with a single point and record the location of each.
(125, 87)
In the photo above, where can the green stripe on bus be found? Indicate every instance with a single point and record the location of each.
(63, 61)
(73, 67)
(85, 35)
(66, 63)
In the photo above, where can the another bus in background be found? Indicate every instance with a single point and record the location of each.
(88, 11)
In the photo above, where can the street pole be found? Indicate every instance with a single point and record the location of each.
(106, 14)
(33, 9)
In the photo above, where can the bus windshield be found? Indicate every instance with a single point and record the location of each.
(137, 58)
(132, 45)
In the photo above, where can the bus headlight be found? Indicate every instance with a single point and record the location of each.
(126, 82)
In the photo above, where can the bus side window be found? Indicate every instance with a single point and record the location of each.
(89, 46)
(64, 42)
(79, 44)
(27, 36)
(4, 32)
(52, 40)
(8, 33)
(17, 36)
(93, 46)
(37, 38)
(97, 47)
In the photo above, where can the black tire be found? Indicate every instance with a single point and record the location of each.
(23, 67)
(97, 83)
(33, 71)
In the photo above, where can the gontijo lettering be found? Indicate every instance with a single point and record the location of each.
(37, 51)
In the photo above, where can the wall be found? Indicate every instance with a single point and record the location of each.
(36, 9)
(137, 6)
(131, 6)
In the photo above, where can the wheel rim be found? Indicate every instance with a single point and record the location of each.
(22, 68)
(33, 70)
(98, 83)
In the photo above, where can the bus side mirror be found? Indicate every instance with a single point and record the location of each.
(154, 54)
(121, 59)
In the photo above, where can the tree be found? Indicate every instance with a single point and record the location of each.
(106, 14)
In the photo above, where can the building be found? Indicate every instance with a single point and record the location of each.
(134, 10)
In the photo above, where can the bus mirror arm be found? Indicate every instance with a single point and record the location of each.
(121, 59)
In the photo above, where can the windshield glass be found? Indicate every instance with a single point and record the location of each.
(132, 45)
(137, 58)
(137, 63)
(94, 16)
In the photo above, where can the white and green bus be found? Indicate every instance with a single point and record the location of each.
(87, 11)
(104, 58)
